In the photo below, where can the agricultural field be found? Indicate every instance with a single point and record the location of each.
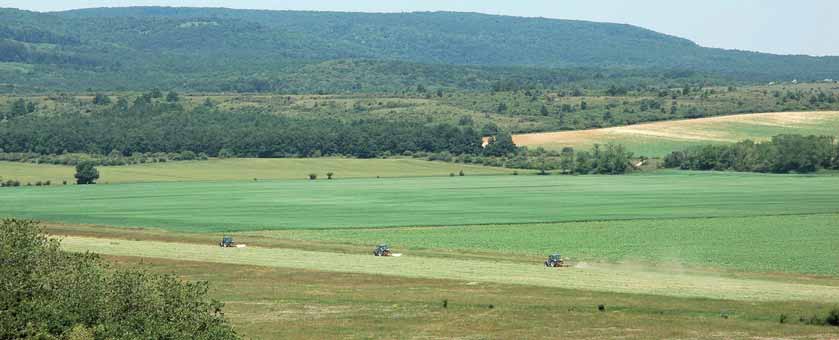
(245, 169)
(669, 253)
(431, 201)
(661, 138)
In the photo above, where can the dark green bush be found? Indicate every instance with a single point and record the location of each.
(48, 293)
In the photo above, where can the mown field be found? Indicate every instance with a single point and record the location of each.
(659, 139)
(670, 254)
(287, 303)
(245, 169)
(430, 201)
(797, 244)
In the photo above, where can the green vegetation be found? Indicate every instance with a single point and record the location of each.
(313, 304)
(86, 173)
(783, 154)
(246, 169)
(48, 293)
(661, 138)
(469, 200)
(287, 51)
(799, 244)
(595, 277)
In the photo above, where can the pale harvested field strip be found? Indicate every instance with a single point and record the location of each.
(597, 278)
(707, 129)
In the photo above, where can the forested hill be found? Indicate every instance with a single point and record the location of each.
(199, 48)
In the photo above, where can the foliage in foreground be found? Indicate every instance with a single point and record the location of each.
(47, 293)
(783, 154)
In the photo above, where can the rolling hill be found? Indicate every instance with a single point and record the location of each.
(250, 50)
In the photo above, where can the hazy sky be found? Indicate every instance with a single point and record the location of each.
(776, 26)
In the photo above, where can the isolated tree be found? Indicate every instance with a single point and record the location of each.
(172, 97)
(156, 93)
(500, 145)
(567, 163)
(86, 173)
(101, 99)
(18, 108)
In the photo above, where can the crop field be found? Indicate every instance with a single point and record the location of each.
(245, 169)
(612, 279)
(431, 201)
(661, 138)
(797, 244)
(670, 253)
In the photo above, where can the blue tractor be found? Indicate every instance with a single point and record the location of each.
(382, 250)
(555, 261)
(227, 242)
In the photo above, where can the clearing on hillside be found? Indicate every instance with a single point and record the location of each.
(660, 138)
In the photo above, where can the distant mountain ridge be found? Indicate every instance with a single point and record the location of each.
(204, 45)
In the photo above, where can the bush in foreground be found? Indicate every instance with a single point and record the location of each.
(47, 293)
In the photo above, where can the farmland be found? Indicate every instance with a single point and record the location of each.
(674, 247)
(469, 200)
(661, 138)
(242, 169)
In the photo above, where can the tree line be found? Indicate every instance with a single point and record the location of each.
(151, 127)
(782, 154)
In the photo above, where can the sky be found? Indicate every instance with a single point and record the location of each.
(774, 26)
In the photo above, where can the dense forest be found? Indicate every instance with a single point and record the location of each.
(783, 154)
(312, 52)
(146, 126)
(154, 127)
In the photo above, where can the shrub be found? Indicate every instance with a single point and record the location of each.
(782, 318)
(329, 175)
(105, 303)
(833, 318)
(461, 173)
(313, 176)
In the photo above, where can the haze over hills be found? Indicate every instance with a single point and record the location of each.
(253, 50)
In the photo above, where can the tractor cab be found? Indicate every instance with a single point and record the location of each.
(555, 260)
(227, 242)
(382, 250)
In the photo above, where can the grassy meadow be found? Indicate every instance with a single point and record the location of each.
(427, 201)
(288, 303)
(245, 169)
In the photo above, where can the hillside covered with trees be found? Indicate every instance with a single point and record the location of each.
(288, 51)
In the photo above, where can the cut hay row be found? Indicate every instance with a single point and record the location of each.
(593, 277)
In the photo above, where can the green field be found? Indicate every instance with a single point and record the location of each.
(668, 252)
(245, 169)
(470, 200)
(803, 244)
(593, 277)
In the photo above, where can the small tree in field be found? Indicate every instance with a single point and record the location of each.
(313, 176)
(329, 175)
(86, 173)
